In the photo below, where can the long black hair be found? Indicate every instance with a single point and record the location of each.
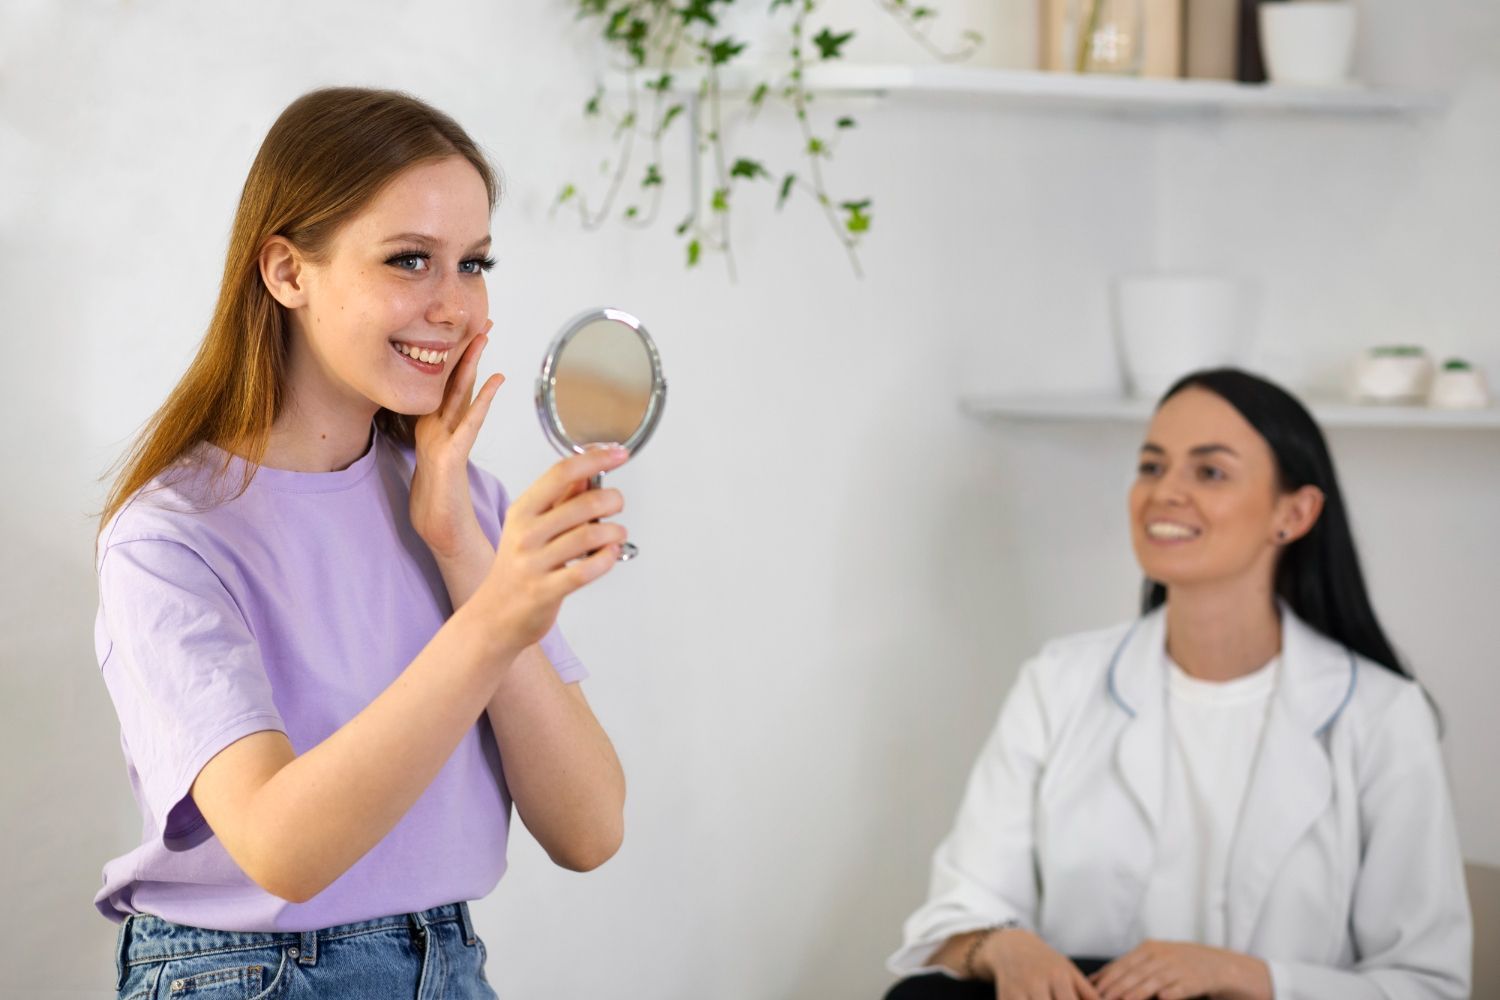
(1318, 575)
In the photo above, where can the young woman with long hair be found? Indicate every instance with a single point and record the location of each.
(329, 636)
(1239, 794)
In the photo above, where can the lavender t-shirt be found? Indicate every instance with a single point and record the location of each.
(291, 607)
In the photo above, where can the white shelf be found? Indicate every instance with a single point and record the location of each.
(1329, 413)
(1072, 91)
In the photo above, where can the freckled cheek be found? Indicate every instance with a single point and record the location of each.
(478, 305)
(396, 306)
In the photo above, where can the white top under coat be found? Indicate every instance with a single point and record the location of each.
(1215, 730)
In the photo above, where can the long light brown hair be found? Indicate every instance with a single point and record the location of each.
(327, 156)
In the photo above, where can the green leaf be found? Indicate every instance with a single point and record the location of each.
(693, 250)
(720, 201)
(699, 10)
(786, 189)
(591, 107)
(816, 147)
(724, 50)
(758, 95)
(682, 226)
(922, 13)
(859, 220)
(632, 212)
(567, 192)
(661, 83)
(845, 123)
(748, 169)
(666, 119)
(829, 43)
(653, 176)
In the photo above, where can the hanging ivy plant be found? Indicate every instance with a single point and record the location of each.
(647, 39)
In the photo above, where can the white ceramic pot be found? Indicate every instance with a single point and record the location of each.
(1392, 378)
(1172, 324)
(1461, 389)
(1308, 42)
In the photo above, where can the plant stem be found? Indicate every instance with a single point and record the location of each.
(1086, 34)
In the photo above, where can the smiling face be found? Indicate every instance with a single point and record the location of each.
(1207, 506)
(384, 319)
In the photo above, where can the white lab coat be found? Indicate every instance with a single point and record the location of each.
(1344, 875)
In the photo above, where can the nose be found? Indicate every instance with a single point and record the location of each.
(1170, 491)
(448, 306)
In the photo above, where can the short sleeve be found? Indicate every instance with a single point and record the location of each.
(183, 669)
(490, 503)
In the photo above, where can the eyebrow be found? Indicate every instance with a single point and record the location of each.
(1202, 449)
(430, 240)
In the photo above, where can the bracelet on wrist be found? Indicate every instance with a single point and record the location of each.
(978, 942)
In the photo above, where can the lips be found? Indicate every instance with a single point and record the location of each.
(1171, 531)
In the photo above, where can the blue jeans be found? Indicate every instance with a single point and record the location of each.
(432, 955)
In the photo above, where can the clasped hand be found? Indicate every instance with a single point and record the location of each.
(1025, 967)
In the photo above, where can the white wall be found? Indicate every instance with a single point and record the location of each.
(840, 572)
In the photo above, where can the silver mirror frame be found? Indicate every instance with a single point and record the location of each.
(546, 383)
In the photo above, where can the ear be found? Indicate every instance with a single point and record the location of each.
(284, 272)
(1296, 513)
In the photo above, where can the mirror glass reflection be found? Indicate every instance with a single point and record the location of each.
(603, 382)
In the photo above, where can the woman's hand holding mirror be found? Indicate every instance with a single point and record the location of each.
(552, 543)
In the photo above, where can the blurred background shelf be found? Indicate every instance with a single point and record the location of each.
(1085, 92)
(1116, 409)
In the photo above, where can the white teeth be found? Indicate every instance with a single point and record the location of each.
(1163, 529)
(431, 357)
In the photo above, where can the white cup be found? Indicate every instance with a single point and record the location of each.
(1172, 324)
(1308, 42)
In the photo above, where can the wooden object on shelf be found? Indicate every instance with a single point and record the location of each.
(1164, 41)
(1209, 50)
(1054, 27)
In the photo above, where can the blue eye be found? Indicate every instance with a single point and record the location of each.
(400, 260)
(480, 264)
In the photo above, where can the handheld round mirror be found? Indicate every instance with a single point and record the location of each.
(601, 383)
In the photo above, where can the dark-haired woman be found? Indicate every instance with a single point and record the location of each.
(1240, 794)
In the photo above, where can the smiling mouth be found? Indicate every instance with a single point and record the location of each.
(1166, 531)
(428, 360)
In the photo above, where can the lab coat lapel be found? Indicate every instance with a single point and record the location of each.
(1292, 780)
(1137, 685)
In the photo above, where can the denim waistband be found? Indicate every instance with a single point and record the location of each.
(146, 938)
